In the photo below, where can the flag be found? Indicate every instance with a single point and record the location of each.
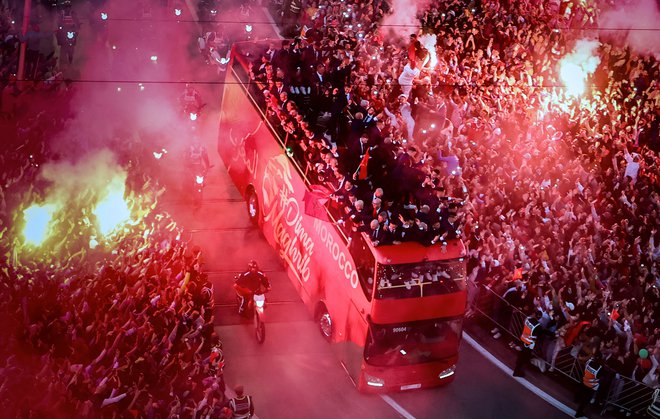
(315, 199)
(517, 274)
(362, 168)
(615, 314)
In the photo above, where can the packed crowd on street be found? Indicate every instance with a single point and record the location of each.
(461, 129)
(119, 325)
(560, 193)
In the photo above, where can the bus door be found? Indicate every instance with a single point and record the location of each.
(352, 349)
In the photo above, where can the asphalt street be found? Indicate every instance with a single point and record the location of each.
(294, 374)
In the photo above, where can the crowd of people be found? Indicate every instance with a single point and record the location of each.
(118, 326)
(122, 335)
(560, 192)
(555, 196)
(47, 52)
(122, 328)
(105, 326)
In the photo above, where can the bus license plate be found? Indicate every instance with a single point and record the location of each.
(411, 386)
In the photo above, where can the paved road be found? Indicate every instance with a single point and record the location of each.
(293, 375)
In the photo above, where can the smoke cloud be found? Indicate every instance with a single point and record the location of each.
(634, 23)
(404, 21)
(585, 54)
(429, 41)
(91, 172)
(121, 94)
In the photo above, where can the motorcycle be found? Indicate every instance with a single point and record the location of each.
(192, 110)
(259, 326)
(198, 178)
(208, 11)
(255, 308)
(191, 103)
(214, 49)
(219, 60)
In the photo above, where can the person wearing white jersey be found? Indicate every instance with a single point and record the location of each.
(407, 78)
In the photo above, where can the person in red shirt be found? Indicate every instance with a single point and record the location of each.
(412, 50)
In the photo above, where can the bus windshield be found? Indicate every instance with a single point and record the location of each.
(412, 343)
(414, 280)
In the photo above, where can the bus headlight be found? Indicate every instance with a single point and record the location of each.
(373, 381)
(448, 372)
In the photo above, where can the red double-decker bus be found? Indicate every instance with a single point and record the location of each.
(393, 312)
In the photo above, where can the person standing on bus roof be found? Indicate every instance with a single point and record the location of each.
(279, 88)
(376, 233)
(377, 194)
(376, 207)
(393, 233)
(281, 58)
(530, 333)
(342, 195)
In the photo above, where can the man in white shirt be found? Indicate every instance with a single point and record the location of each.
(406, 115)
(407, 78)
(632, 166)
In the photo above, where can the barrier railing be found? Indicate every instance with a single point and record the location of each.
(620, 393)
(628, 395)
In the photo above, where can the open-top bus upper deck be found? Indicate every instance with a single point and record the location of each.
(369, 300)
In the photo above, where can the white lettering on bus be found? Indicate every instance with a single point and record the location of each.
(337, 254)
(283, 211)
(239, 144)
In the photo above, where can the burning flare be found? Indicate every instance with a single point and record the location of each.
(112, 211)
(37, 221)
(429, 41)
(575, 67)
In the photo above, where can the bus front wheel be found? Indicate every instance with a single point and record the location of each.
(325, 324)
(252, 203)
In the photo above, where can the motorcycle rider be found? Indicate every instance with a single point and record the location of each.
(249, 283)
(191, 100)
(67, 34)
(198, 157)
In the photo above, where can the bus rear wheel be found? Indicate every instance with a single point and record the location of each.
(325, 324)
(252, 202)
